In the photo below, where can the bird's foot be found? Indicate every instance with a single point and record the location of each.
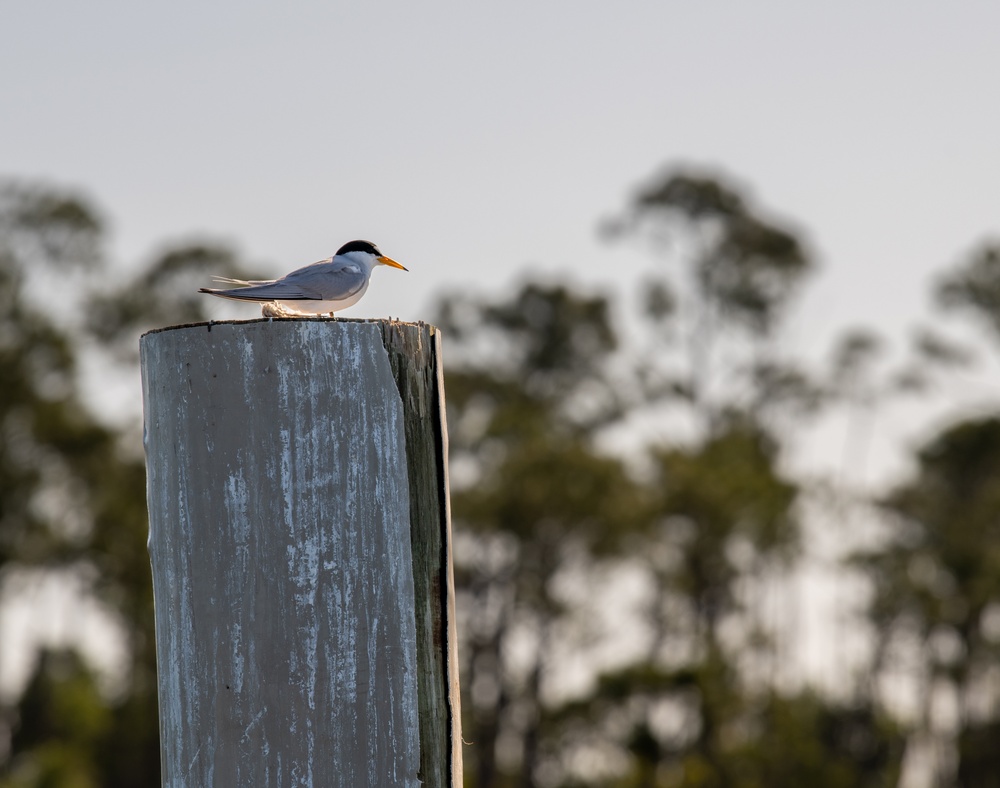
(274, 309)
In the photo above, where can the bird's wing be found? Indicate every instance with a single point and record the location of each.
(274, 291)
(330, 279)
(327, 280)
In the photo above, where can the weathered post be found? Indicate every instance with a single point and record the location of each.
(301, 551)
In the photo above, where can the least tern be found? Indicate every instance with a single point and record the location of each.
(321, 288)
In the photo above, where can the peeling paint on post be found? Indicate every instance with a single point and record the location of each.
(301, 550)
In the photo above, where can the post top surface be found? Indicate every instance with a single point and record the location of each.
(353, 320)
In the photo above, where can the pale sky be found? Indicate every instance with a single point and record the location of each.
(472, 142)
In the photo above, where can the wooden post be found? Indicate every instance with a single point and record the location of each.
(301, 551)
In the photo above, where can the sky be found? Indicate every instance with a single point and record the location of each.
(480, 143)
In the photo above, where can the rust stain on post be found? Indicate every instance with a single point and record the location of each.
(300, 541)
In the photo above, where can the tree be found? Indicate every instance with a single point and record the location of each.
(973, 286)
(723, 517)
(62, 721)
(713, 311)
(534, 502)
(937, 583)
(935, 577)
(536, 384)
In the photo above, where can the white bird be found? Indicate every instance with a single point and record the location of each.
(324, 287)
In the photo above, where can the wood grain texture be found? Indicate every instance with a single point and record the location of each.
(415, 356)
(292, 646)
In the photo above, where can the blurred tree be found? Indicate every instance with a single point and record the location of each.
(715, 306)
(936, 604)
(535, 385)
(772, 740)
(723, 519)
(62, 721)
(534, 501)
(162, 293)
(973, 286)
(47, 438)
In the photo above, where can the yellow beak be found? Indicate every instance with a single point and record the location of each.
(389, 261)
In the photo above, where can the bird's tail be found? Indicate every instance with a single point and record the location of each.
(225, 280)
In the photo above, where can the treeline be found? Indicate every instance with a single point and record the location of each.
(627, 528)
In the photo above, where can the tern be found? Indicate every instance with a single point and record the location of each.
(322, 288)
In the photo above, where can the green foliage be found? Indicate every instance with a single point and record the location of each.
(538, 362)
(62, 722)
(724, 494)
(978, 756)
(742, 268)
(939, 577)
(750, 740)
(61, 702)
(49, 442)
(164, 293)
(48, 227)
(802, 740)
(730, 486)
(974, 287)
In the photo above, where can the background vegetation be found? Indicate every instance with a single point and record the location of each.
(630, 534)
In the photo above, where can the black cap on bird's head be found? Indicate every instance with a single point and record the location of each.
(368, 248)
(360, 246)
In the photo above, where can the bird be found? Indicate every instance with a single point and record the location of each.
(324, 287)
